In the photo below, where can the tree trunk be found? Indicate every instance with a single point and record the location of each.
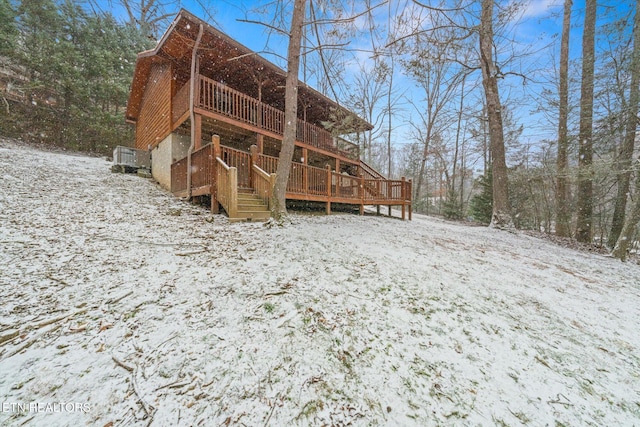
(563, 213)
(628, 145)
(501, 216)
(585, 153)
(628, 231)
(278, 200)
(389, 118)
(423, 166)
(631, 220)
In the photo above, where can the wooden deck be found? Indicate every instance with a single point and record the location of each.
(222, 172)
(216, 100)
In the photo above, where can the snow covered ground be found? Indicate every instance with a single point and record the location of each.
(139, 307)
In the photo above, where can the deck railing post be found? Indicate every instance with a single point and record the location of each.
(215, 206)
(402, 190)
(389, 193)
(215, 140)
(409, 193)
(253, 161)
(362, 194)
(233, 192)
(328, 190)
(272, 185)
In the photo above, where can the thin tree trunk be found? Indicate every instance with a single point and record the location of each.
(563, 213)
(626, 151)
(278, 200)
(423, 164)
(585, 153)
(628, 230)
(389, 107)
(624, 241)
(501, 217)
(455, 153)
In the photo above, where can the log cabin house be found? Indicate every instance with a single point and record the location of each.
(211, 112)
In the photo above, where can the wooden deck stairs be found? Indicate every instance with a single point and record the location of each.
(250, 207)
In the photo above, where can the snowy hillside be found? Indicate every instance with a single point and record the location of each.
(117, 296)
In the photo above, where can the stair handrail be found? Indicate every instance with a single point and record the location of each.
(263, 184)
(374, 174)
(227, 187)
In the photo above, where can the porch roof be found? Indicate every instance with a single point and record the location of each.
(228, 61)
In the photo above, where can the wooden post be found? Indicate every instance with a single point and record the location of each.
(198, 132)
(410, 193)
(328, 190)
(305, 171)
(402, 189)
(215, 205)
(215, 140)
(378, 196)
(361, 194)
(272, 185)
(260, 143)
(253, 161)
(233, 192)
(389, 193)
(192, 96)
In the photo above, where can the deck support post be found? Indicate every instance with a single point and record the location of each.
(328, 190)
(197, 131)
(192, 97)
(215, 141)
(361, 194)
(260, 143)
(409, 192)
(215, 206)
(305, 172)
(402, 196)
(378, 210)
(389, 193)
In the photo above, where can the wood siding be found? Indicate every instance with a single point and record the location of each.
(154, 122)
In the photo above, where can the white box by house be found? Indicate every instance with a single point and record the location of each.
(131, 157)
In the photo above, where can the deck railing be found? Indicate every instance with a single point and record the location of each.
(241, 160)
(368, 172)
(268, 164)
(263, 184)
(227, 183)
(202, 167)
(179, 176)
(346, 186)
(217, 97)
(233, 168)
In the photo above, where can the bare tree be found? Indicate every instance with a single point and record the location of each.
(278, 200)
(148, 15)
(438, 79)
(585, 153)
(631, 220)
(501, 217)
(628, 144)
(366, 99)
(563, 213)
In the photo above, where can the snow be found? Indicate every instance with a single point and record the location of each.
(133, 301)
